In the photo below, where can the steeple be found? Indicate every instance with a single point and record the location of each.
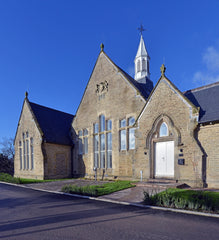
(142, 63)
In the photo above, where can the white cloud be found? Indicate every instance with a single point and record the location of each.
(210, 72)
(211, 59)
(201, 78)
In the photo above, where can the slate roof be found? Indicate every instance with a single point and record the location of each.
(207, 98)
(144, 89)
(54, 124)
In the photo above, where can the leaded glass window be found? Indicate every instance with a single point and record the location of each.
(103, 143)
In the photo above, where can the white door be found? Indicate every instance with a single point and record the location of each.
(164, 159)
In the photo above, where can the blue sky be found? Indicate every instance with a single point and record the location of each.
(49, 47)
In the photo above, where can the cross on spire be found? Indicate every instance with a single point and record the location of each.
(141, 29)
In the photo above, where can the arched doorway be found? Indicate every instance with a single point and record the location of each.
(162, 142)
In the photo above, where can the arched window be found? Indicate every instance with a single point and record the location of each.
(163, 130)
(103, 143)
(26, 152)
(138, 66)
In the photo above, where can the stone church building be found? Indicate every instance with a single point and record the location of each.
(124, 128)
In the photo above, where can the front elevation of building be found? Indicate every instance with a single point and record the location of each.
(126, 128)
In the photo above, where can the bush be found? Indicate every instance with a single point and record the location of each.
(5, 177)
(185, 199)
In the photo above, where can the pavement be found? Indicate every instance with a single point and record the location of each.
(131, 196)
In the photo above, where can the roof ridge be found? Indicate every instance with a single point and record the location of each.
(51, 108)
(202, 87)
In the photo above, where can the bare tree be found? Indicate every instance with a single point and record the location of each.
(7, 147)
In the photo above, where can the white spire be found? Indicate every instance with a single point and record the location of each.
(141, 49)
(142, 62)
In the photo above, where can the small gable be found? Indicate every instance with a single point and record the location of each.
(166, 98)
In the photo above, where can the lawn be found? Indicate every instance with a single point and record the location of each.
(4, 177)
(98, 190)
(185, 199)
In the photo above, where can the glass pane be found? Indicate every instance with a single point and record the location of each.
(109, 125)
(80, 146)
(109, 159)
(102, 123)
(96, 128)
(131, 138)
(20, 143)
(96, 152)
(85, 132)
(131, 121)
(102, 159)
(20, 150)
(85, 145)
(96, 143)
(123, 140)
(27, 134)
(32, 163)
(163, 130)
(31, 141)
(96, 160)
(109, 150)
(27, 142)
(122, 123)
(80, 133)
(24, 154)
(102, 142)
(109, 141)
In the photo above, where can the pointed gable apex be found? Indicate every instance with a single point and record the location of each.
(26, 101)
(53, 125)
(173, 88)
(140, 88)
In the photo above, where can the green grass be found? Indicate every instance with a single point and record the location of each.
(185, 199)
(4, 177)
(98, 190)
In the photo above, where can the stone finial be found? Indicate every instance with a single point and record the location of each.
(101, 46)
(162, 69)
(26, 94)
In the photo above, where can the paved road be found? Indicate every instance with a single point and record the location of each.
(30, 214)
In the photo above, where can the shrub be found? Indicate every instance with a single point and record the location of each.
(185, 199)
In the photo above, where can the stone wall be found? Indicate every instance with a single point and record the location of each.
(57, 161)
(208, 136)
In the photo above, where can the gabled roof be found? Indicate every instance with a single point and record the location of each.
(207, 98)
(55, 125)
(141, 87)
(174, 88)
